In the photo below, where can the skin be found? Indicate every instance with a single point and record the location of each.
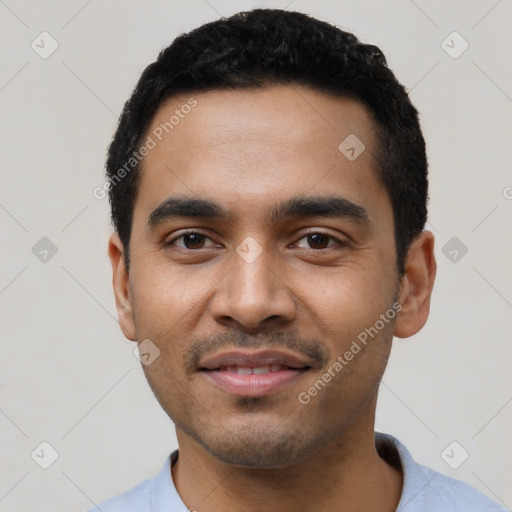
(248, 150)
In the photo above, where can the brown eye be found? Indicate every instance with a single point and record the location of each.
(318, 241)
(189, 241)
(193, 241)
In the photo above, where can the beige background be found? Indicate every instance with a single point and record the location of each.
(68, 376)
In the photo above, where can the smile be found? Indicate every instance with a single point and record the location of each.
(253, 374)
(259, 370)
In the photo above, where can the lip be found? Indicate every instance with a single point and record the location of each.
(215, 369)
(254, 359)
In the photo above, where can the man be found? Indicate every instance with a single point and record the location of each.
(268, 185)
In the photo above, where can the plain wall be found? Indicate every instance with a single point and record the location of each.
(69, 377)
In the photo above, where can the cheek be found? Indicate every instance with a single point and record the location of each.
(167, 299)
(172, 390)
(350, 300)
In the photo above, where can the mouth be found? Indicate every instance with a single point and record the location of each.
(252, 374)
(257, 370)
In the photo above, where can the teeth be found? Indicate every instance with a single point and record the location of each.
(261, 369)
(244, 370)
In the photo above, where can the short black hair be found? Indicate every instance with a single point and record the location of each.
(264, 47)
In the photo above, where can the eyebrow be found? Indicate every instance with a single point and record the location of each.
(300, 206)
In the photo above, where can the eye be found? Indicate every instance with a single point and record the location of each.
(190, 240)
(320, 240)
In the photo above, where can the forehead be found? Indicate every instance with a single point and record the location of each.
(251, 147)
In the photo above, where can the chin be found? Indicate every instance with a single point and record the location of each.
(255, 446)
(268, 454)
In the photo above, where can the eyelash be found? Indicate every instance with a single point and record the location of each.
(340, 243)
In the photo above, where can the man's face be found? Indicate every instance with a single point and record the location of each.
(284, 290)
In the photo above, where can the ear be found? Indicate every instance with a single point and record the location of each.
(121, 283)
(416, 286)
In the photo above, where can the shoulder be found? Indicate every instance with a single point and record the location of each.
(427, 490)
(137, 498)
(444, 492)
(156, 493)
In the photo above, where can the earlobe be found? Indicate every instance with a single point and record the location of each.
(121, 285)
(416, 286)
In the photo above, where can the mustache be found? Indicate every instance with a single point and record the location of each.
(201, 347)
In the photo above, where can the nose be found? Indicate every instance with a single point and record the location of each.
(253, 294)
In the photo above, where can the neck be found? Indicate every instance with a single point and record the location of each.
(344, 475)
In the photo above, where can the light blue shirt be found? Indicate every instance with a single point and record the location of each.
(424, 490)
